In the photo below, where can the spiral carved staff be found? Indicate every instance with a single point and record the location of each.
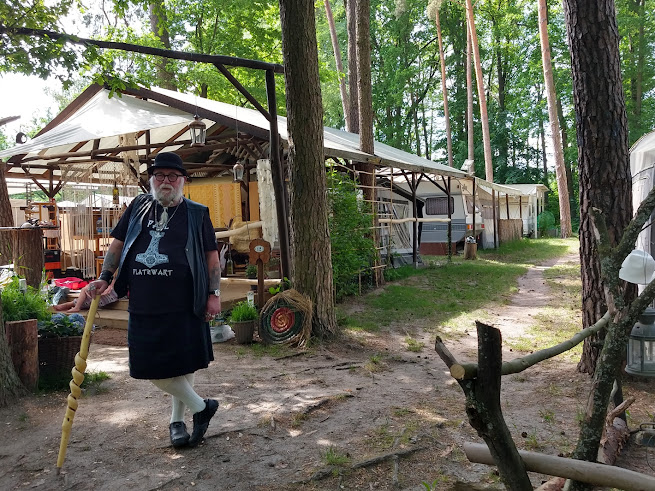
(78, 378)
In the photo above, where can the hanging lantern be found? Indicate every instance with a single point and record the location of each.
(237, 170)
(641, 345)
(638, 267)
(198, 131)
(115, 194)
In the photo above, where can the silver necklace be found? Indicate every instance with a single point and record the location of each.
(163, 221)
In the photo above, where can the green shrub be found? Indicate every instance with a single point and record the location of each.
(19, 306)
(545, 221)
(243, 311)
(61, 325)
(350, 224)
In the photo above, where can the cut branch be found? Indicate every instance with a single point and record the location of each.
(467, 371)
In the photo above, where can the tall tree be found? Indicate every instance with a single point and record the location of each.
(310, 237)
(560, 169)
(352, 118)
(433, 12)
(337, 58)
(159, 28)
(484, 117)
(603, 155)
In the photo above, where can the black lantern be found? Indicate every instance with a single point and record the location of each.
(237, 170)
(641, 345)
(198, 131)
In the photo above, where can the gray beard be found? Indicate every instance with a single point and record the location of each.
(169, 200)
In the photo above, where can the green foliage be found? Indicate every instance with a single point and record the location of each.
(545, 221)
(243, 311)
(350, 225)
(333, 456)
(18, 306)
(283, 285)
(61, 325)
(251, 271)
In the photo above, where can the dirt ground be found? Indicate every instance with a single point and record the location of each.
(363, 397)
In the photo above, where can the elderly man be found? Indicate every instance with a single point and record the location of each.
(164, 253)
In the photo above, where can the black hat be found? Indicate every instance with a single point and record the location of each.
(167, 160)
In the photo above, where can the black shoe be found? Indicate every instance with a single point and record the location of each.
(201, 421)
(179, 435)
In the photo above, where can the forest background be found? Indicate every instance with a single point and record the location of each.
(407, 99)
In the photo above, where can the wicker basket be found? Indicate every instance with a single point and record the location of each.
(57, 355)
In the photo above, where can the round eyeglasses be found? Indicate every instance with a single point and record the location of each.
(171, 177)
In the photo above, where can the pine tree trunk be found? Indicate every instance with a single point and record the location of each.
(310, 238)
(10, 385)
(160, 31)
(603, 154)
(469, 97)
(337, 59)
(560, 170)
(352, 118)
(484, 118)
(28, 255)
(444, 91)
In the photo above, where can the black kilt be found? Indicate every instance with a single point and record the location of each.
(168, 345)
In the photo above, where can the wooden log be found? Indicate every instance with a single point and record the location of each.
(470, 250)
(28, 255)
(22, 339)
(578, 470)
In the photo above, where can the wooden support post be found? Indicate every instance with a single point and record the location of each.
(260, 284)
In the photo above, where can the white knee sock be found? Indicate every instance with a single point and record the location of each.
(180, 388)
(177, 414)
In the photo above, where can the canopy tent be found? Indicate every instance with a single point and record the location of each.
(95, 128)
(642, 168)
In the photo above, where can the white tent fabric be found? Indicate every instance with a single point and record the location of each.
(105, 118)
(642, 167)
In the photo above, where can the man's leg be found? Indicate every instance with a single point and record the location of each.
(183, 395)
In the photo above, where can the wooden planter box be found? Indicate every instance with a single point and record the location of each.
(57, 355)
(243, 331)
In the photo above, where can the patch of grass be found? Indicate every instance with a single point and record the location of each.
(259, 350)
(23, 417)
(547, 415)
(454, 294)
(438, 483)
(414, 345)
(332, 456)
(401, 411)
(375, 364)
(531, 441)
(298, 419)
(552, 326)
(91, 383)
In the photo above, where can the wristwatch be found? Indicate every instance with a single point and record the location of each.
(216, 292)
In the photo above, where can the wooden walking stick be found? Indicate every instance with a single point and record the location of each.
(78, 377)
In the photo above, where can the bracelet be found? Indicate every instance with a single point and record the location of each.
(106, 275)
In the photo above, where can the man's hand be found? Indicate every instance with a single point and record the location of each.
(213, 306)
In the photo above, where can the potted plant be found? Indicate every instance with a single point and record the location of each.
(22, 307)
(242, 321)
(60, 338)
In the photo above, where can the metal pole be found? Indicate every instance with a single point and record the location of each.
(415, 223)
(493, 208)
(450, 224)
(278, 177)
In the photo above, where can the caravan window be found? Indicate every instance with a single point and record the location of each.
(437, 206)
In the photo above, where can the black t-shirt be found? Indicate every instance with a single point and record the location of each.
(160, 279)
